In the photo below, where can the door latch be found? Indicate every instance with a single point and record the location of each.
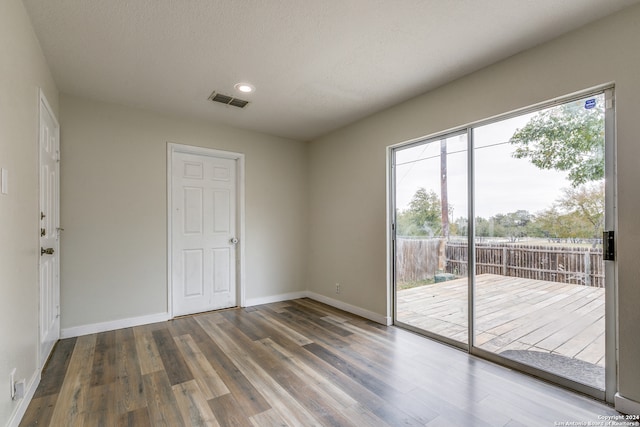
(608, 246)
(48, 251)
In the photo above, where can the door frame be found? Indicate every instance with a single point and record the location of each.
(611, 224)
(611, 267)
(172, 148)
(44, 103)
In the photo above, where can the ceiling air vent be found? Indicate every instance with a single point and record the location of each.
(228, 100)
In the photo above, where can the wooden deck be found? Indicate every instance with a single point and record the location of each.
(513, 314)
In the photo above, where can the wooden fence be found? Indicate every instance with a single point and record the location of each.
(419, 259)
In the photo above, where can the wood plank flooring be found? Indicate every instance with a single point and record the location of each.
(295, 363)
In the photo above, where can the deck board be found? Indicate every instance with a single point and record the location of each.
(512, 314)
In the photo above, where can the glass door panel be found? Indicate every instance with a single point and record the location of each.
(431, 208)
(539, 295)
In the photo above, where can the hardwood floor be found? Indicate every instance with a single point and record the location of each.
(295, 363)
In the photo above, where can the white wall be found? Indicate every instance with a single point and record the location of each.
(113, 209)
(23, 71)
(347, 168)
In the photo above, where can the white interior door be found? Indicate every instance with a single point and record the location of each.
(203, 203)
(49, 231)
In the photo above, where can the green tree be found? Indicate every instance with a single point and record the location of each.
(513, 225)
(587, 203)
(555, 224)
(578, 214)
(483, 227)
(423, 216)
(460, 227)
(567, 138)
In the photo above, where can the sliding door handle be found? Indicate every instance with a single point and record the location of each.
(608, 246)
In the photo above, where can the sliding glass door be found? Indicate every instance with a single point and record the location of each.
(431, 225)
(523, 283)
(539, 217)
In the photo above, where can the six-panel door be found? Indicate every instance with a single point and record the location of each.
(203, 233)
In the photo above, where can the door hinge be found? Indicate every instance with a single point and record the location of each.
(608, 246)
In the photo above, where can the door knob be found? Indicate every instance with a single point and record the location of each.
(233, 240)
(48, 251)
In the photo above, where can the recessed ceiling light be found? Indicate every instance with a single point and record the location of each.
(245, 87)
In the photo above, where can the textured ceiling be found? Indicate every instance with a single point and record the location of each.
(316, 65)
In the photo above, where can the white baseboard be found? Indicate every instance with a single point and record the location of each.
(626, 406)
(94, 328)
(274, 298)
(20, 410)
(375, 317)
(77, 331)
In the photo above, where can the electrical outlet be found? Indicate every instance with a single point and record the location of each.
(337, 288)
(12, 383)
